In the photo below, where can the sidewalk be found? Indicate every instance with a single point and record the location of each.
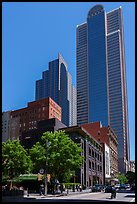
(65, 193)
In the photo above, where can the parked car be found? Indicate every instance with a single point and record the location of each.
(96, 188)
(102, 187)
(132, 187)
(127, 186)
(117, 186)
(108, 189)
(122, 186)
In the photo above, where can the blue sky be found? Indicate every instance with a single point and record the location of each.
(32, 35)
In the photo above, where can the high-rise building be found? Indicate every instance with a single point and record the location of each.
(101, 75)
(57, 84)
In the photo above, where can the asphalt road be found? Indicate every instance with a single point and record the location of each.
(84, 197)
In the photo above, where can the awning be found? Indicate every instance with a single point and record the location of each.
(114, 179)
(28, 177)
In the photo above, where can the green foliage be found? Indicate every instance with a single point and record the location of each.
(15, 160)
(130, 177)
(37, 155)
(63, 154)
(67, 176)
(122, 178)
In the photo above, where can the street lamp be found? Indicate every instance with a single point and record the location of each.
(46, 178)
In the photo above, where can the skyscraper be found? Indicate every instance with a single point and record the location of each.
(57, 84)
(101, 77)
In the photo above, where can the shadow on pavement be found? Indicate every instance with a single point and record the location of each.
(51, 200)
(132, 196)
(125, 191)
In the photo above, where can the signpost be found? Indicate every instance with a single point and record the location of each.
(41, 171)
(46, 178)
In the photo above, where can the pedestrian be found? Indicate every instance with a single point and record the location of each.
(80, 188)
(61, 188)
(113, 192)
(41, 189)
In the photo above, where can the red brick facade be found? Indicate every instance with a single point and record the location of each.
(105, 135)
(26, 118)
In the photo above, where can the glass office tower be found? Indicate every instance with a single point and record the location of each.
(57, 84)
(101, 77)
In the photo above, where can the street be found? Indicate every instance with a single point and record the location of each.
(81, 197)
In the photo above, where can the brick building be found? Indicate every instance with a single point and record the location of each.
(107, 136)
(91, 172)
(26, 119)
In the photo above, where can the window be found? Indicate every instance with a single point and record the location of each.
(89, 164)
(93, 167)
(89, 151)
(92, 153)
(95, 154)
(100, 158)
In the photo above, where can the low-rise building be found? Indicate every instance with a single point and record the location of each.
(132, 166)
(29, 138)
(5, 125)
(91, 172)
(26, 119)
(106, 163)
(108, 136)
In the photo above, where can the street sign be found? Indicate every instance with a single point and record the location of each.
(41, 171)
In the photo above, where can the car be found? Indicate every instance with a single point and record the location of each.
(117, 186)
(122, 186)
(132, 187)
(96, 188)
(102, 187)
(108, 189)
(127, 186)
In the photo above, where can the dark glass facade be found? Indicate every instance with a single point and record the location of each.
(57, 84)
(102, 92)
(39, 89)
(54, 80)
(82, 75)
(97, 70)
(64, 102)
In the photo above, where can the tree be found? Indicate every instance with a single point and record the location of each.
(130, 177)
(37, 155)
(15, 160)
(63, 155)
(122, 178)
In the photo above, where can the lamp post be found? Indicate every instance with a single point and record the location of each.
(46, 178)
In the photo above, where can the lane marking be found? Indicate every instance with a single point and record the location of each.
(133, 200)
